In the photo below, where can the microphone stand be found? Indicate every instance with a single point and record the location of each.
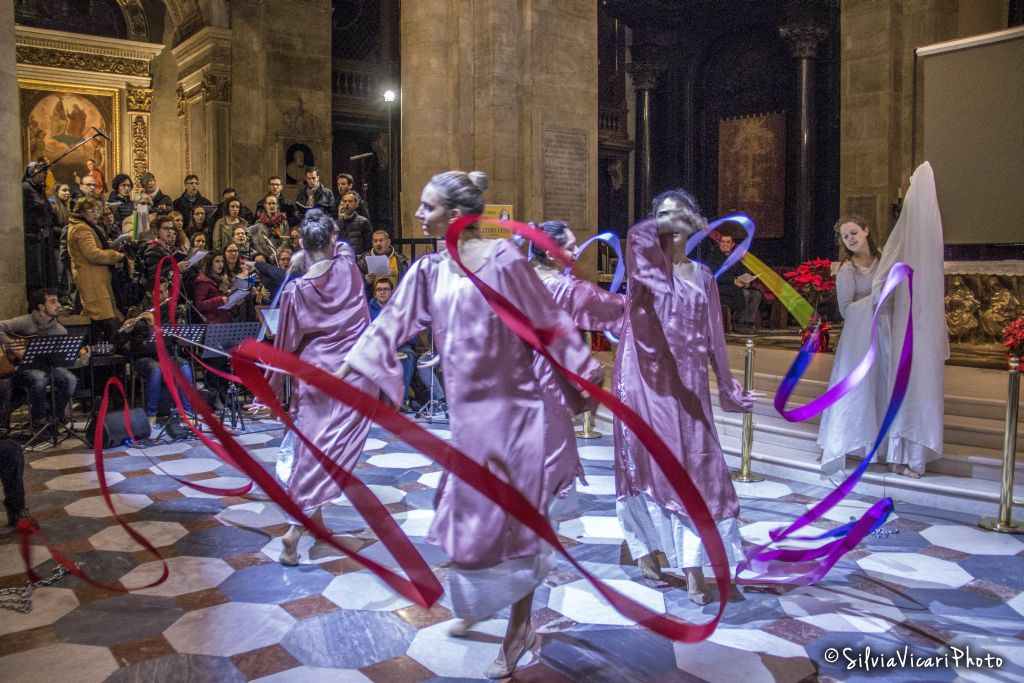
(46, 166)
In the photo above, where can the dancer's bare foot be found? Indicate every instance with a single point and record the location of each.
(897, 468)
(649, 566)
(695, 588)
(520, 638)
(289, 556)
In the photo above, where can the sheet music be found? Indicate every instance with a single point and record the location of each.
(196, 258)
(378, 265)
(236, 298)
(272, 317)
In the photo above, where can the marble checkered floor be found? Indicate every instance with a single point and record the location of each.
(230, 612)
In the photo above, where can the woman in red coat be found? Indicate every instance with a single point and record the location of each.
(208, 292)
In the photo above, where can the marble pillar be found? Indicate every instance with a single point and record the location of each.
(803, 39)
(508, 87)
(12, 257)
(645, 71)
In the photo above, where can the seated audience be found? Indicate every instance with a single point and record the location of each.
(739, 297)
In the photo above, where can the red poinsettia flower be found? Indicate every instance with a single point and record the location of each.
(1013, 338)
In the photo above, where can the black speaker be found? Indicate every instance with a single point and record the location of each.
(113, 427)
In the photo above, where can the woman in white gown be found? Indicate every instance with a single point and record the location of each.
(851, 425)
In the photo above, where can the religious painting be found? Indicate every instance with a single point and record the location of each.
(296, 158)
(752, 170)
(61, 120)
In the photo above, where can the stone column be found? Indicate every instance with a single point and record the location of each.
(139, 101)
(803, 39)
(12, 256)
(645, 72)
(204, 96)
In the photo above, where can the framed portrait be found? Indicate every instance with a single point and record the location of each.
(752, 170)
(57, 116)
(296, 158)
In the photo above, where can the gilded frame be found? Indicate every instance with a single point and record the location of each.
(97, 106)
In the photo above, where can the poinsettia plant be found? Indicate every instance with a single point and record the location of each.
(813, 279)
(1013, 338)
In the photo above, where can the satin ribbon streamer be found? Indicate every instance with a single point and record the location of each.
(613, 241)
(809, 566)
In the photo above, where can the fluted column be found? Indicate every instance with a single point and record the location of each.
(803, 39)
(645, 72)
(12, 256)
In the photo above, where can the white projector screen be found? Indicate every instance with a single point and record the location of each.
(973, 135)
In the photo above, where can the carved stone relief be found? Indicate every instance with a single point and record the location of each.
(81, 62)
(140, 144)
(139, 99)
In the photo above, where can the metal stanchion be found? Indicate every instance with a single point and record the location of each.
(1005, 522)
(744, 474)
(588, 431)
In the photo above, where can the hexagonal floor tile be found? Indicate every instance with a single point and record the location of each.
(459, 657)
(431, 479)
(972, 541)
(730, 658)
(170, 668)
(48, 605)
(118, 620)
(185, 466)
(314, 674)
(215, 482)
(762, 489)
(843, 511)
(348, 639)
(257, 515)
(914, 571)
(374, 444)
(415, 522)
(583, 604)
(840, 608)
(66, 461)
(95, 506)
(158, 534)
(81, 481)
(187, 575)
(590, 529)
(386, 494)
(54, 662)
(11, 561)
(273, 583)
(363, 590)
(401, 461)
(253, 438)
(758, 534)
(229, 629)
(597, 485)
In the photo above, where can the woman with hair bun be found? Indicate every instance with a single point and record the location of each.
(322, 314)
(499, 416)
(591, 308)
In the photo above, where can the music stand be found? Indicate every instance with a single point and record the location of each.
(220, 339)
(435, 408)
(186, 335)
(47, 353)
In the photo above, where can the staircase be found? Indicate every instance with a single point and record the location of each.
(965, 479)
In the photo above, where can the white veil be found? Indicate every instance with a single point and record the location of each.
(916, 433)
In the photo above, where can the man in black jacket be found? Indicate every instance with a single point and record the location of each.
(313, 194)
(352, 227)
(190, 199)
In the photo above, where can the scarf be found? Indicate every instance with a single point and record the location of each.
(273, 223)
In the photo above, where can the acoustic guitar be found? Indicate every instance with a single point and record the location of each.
(11, 353)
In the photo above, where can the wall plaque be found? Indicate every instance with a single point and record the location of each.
(565, 176)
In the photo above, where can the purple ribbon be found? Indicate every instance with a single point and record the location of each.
(741, 219)
(612, 240)
(809, 565)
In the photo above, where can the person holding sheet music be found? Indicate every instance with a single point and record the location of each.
(734, 286)
(209, 293)
(322, 315)
(41, 321)
(92, 254)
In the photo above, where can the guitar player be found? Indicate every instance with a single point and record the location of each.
(40, 321)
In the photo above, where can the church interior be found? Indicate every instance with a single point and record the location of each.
(794, 112)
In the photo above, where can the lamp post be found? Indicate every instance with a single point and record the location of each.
(390, 96)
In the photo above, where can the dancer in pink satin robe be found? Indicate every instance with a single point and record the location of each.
(322, 314)
(673, 328)
(591, 308)
(498, 413)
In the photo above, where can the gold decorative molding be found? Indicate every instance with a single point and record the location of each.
(214, 88)
(81, 62)
(140, 144)
(48, 39)
(139, 99)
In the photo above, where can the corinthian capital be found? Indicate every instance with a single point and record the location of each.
(803, 38)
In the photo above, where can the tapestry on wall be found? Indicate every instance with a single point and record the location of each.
(752, 170)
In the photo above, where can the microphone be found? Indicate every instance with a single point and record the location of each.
(361, 156)
(101, 133)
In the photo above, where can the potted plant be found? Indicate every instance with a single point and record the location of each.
(813, 280)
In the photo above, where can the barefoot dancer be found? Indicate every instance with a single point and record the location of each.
(673, 328)
(322, 314)
(498, 415)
